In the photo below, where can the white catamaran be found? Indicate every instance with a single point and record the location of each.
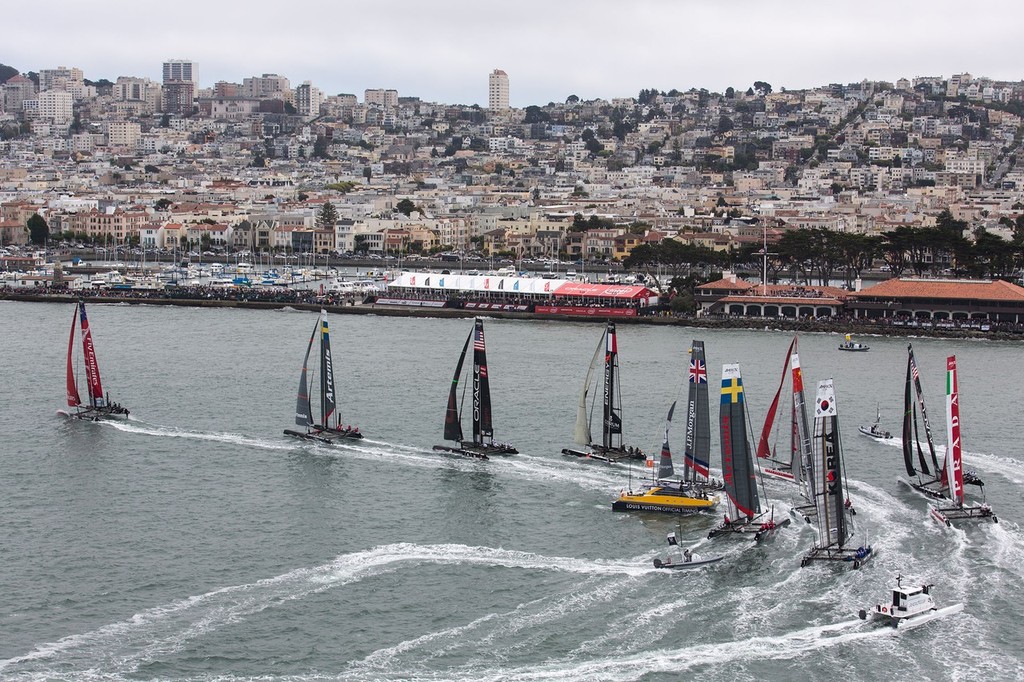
(947, 482)
(611, 447)
(329, 429)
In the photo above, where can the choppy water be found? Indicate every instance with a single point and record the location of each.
(198, 542)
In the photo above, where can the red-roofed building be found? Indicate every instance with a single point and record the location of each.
(734, 296)
(941, 299)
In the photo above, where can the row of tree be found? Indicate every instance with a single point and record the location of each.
(820, 256)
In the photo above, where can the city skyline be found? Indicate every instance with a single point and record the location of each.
(442, 53)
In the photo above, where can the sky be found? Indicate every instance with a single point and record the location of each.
(443, 51)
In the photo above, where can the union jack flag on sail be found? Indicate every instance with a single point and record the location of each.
(698, 372)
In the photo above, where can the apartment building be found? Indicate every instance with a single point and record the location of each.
(380, 98)
(497, 91)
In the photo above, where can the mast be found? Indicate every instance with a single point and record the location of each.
(582, 433)
(303, 402)
(909, 420)
(92, 368)
(482, 427)
(829, 498)
(953, 472)
(924, 414)
(74, 399)
(326, 372)
(665, 463)
(737, 463)
(452, 418)
(612, 423)
(697, 450)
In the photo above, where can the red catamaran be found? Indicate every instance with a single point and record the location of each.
(99, 405)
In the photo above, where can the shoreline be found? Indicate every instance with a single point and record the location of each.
(786, 325)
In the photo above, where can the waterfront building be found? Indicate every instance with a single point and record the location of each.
(940, 300)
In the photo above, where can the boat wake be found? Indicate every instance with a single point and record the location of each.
(118, 650)
(142, 428)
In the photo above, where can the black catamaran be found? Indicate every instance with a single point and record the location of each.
(944, 482)
(611, 448)
(744, 515)
(99, 406)
(834, 512)
(329, 428)
(482, 444)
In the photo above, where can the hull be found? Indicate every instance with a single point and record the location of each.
(854, 347)
(779, 473)
(948, 515)
(465, 452)
(325, 436)
(98, 414)
(754, 529)
(684, 565)
(605, 455)
(854, 558)
(908, 622)
(663, 500)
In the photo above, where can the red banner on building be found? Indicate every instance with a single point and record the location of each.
(584, 311)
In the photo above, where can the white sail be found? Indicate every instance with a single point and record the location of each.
(582, 433)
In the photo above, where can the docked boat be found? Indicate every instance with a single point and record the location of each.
(945, 482)
(876, 430)
(910, 607)
(850, 344)
(611, 447)
(687, 559)
(482, 445)
(665, 494)
(329, 429)
(99, 406)
(744, 516)
(833, 509)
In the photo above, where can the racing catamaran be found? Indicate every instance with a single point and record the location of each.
(793, 465)
(937, 484)
(99, 406)
(482, 444)
(744, 516)
(329, 429)
(834, 512)
(611, 447)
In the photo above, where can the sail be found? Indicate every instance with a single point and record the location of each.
(953, 471)
(92, 368)
(737, 461)
(74, 399)
(803, 460)
(612, 423)
(326, 372)
(829, 499)
(764, 449)
(452, 418)
(481, 387)
(924, 414)
(582, 433)
(303, 405)
(697, 451)
(665, 463)
(909, 420)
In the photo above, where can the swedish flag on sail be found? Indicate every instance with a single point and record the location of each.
(732, 385)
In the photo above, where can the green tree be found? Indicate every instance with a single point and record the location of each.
(7, 72)
(367, 173)
(327, 216)
(405, 207)
(361, 243)
(38, 229)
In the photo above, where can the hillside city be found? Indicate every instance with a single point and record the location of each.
(922, 175)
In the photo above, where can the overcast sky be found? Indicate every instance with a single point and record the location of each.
(442, 51)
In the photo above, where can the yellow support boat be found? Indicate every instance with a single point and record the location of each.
(667, 499)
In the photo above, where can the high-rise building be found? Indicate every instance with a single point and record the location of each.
(497, 92)
(180, 70)
(178, 97)
(380, 98)
(308, 99)
(267, 86)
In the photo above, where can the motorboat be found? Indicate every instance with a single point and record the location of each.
(909, 607)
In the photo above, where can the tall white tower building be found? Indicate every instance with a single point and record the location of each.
(497, 95)
(181, 70)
